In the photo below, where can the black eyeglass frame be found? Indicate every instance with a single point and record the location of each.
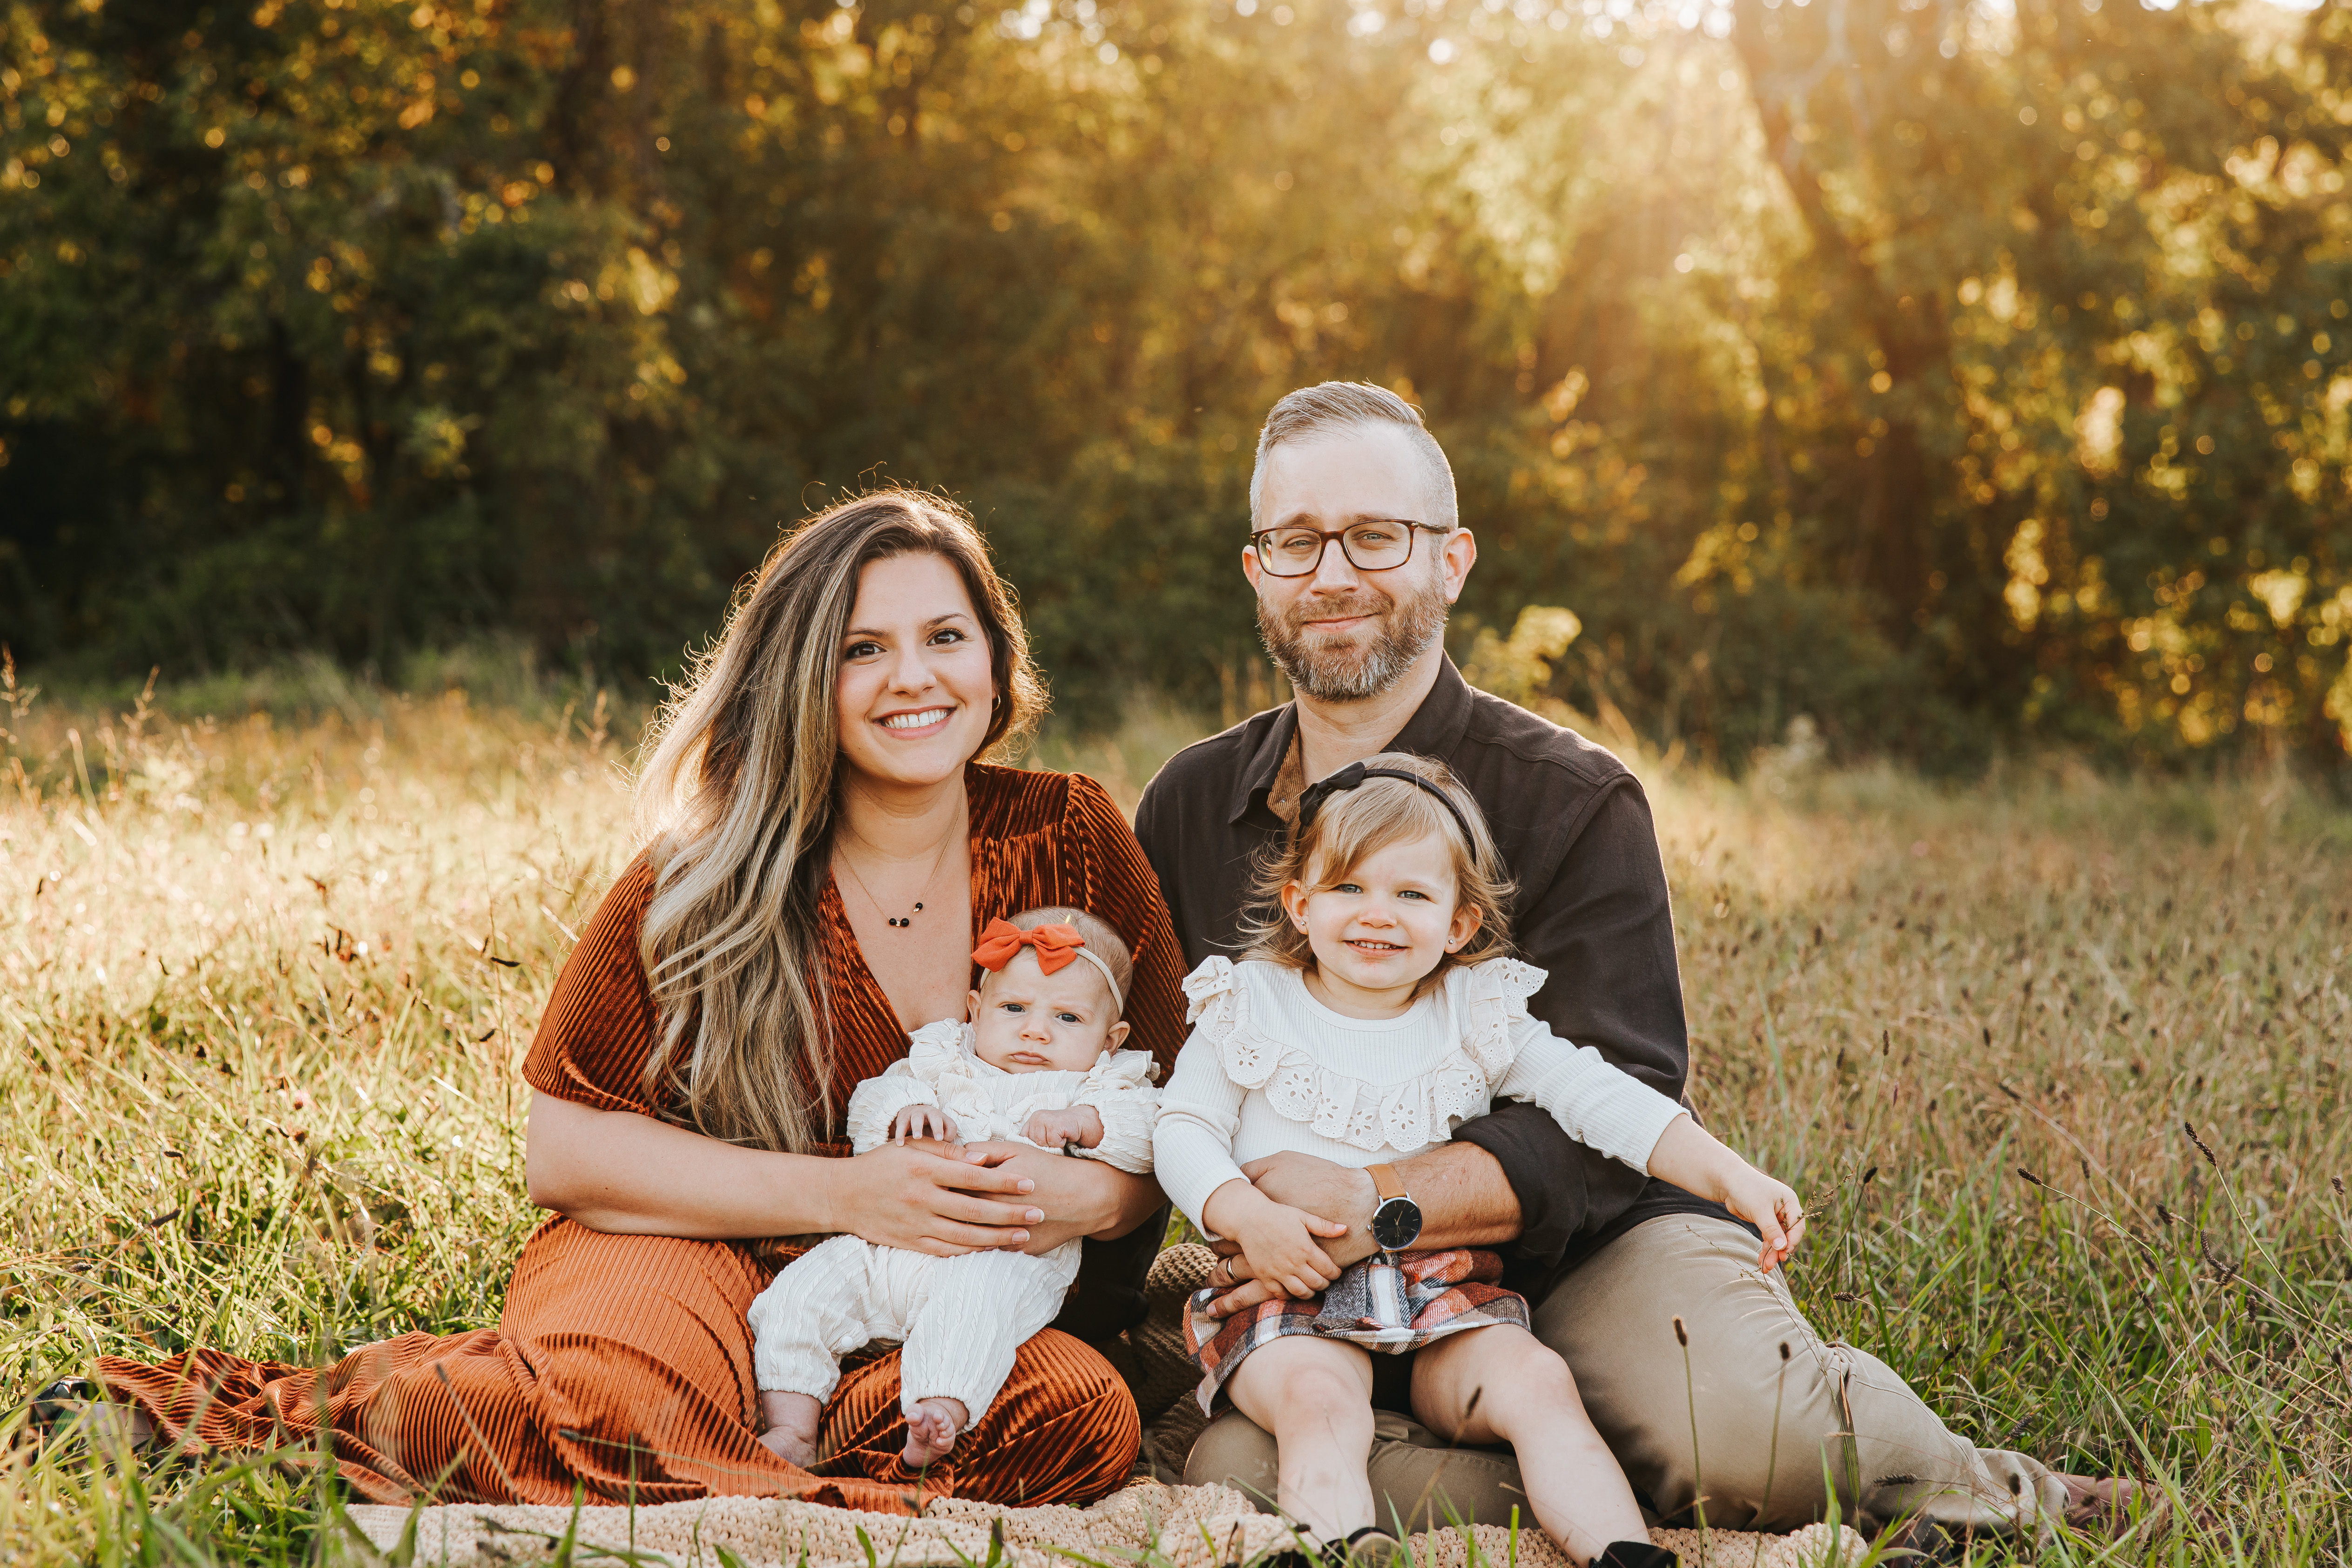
(1258, 539)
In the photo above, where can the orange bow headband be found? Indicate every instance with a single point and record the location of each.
(1057, 946)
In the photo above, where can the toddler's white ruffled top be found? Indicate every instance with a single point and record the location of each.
(1269, 1069)
(989, 1104)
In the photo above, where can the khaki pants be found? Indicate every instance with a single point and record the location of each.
(1773, 1437)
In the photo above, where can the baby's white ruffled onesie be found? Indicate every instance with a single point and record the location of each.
(960, 1319)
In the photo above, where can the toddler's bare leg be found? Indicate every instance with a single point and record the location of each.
(792, 1425)
(1501, 1384)
(931, 1427)
(1316, 1397)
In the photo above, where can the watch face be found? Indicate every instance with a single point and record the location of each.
(1396, 1224)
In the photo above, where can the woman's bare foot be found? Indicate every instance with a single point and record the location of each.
(120, 1427)
(76, 1406)
(793, 1421)
(931, 1429)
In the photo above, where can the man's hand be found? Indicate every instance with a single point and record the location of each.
(1079, 1124)
(923, 1121)
(1338, 1196)
(1463, 1197)
(1278, 1241)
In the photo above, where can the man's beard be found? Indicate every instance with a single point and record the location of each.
(1361, 664)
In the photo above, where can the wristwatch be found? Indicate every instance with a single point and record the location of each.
(1396, 1219)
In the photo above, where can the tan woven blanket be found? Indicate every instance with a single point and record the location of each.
(1186, 1527)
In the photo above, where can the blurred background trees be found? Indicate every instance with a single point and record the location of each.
(1950, 375)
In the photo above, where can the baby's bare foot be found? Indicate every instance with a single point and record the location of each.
(792, 1420)
(792, 1448)
(931, 1429)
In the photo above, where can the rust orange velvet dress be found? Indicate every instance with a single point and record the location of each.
(623, 1364)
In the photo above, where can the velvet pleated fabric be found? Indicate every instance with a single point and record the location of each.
(621, 1364)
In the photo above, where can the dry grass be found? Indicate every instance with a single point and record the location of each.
(264, 982)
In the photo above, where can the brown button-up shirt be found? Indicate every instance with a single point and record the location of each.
(1591, 911)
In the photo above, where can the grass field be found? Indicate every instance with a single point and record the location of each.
(264, 982)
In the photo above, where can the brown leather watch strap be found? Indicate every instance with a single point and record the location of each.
(1386, 1181)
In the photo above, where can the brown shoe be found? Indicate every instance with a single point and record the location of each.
(2105, 1506)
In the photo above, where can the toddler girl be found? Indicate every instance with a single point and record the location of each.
(1037, 1062)
(1375, 1011)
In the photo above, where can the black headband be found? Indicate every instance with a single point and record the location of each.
(1352, 776)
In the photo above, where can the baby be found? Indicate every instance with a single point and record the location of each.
(1038, 1062)
(1378, 1009)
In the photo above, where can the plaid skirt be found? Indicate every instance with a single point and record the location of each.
(1445, 1292)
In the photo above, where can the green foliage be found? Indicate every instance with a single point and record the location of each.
(1944, 372)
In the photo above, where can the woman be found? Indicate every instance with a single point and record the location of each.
(822, 847)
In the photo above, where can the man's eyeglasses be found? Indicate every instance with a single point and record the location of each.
(1297, 551)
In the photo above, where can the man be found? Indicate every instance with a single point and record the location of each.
(1618, 1270)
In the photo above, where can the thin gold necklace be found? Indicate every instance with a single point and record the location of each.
(899, 921)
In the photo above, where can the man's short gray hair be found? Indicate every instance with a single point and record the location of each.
(1334, 406)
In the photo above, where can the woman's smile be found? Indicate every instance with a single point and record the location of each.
(916, 681)
(924, 720)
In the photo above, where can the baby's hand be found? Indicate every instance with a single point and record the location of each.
(1278, 1244)
(1079, 1124)
(919, 1121)
(1772, 1207)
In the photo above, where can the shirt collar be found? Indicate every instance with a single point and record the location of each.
(1435, 730)
(1258, 772)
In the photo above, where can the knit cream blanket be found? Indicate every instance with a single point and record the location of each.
(1172, 1527)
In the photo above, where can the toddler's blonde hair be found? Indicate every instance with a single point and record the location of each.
(1356, 824)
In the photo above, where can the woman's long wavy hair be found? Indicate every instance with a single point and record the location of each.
(736, 804)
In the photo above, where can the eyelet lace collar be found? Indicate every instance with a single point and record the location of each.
(1480, 1006)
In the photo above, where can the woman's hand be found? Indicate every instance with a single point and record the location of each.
(923, 1201)
(923, 1121)
(1082, 1198)
(617, 1171)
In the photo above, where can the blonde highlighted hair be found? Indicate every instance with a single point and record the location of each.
(735, 805)
(1353, 826)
